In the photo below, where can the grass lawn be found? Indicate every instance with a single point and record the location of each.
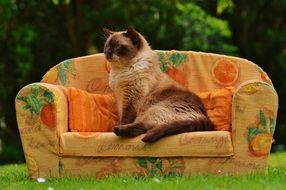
(15, 177)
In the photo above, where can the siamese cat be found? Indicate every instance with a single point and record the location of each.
(148, 100)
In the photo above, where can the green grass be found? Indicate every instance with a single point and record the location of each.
(15, 177)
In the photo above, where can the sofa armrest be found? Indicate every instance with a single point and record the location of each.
(254, 112)
(42, 115)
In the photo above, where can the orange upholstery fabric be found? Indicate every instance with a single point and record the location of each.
(51, 150)
(97, 112)
(90, 112)
(218, 105)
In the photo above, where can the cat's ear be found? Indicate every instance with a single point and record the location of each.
(134, 36)
(107, 32)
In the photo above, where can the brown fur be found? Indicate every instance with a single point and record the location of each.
(148, 100)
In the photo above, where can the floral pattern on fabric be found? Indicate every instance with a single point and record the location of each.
(64, 69)
(174, 64)
(160, 166)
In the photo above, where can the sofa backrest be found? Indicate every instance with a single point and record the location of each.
(197, 70)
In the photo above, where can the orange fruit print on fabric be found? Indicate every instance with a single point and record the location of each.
(260, 144)
(48, 115)
(260, 137)
(177, 75)
(225, 72)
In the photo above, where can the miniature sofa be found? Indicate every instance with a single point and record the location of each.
(52, 149)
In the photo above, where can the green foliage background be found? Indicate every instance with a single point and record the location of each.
(36, 35)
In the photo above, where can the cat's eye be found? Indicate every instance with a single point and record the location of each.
(121, 47)
(121, 50)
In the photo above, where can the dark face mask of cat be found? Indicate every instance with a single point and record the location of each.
(121, 46)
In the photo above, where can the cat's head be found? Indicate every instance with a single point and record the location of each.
(123, 46)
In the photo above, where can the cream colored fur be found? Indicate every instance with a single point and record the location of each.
(143, 74)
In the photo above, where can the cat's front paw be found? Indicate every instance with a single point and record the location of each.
(123, 131)
(129, 130)
(119, 130)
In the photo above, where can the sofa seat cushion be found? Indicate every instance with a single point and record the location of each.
(192, 144)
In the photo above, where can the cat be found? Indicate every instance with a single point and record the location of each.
(148, 100)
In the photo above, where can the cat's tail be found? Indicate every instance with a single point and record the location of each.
(200, 123)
